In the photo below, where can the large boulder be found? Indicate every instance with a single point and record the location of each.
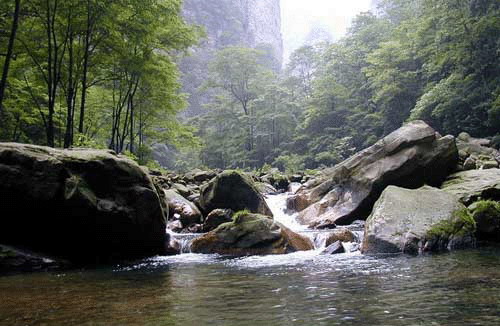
(251, 234)
(474, 185)
(84, 205)
(412, 221)
(235, 191)
(409, 157)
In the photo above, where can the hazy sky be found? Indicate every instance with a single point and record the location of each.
(299, 16)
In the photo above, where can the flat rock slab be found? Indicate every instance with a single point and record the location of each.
(470, 186)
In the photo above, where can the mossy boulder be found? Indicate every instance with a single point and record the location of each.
(486, 214)
(82, 204)
(251, 234)
(417, 220)
(233, 190)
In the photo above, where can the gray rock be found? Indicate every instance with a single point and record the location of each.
(470, 164)
(188, 212)
(490, 164)
(412, 221)
(334, 248)
(410, 157)
(473, 185)
(183, 190)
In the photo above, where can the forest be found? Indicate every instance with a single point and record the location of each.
(104, 74)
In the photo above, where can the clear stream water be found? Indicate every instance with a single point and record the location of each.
(305, 288)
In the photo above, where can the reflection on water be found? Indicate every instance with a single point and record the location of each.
(461, 288)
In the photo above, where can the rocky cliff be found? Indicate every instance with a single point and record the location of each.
(248, 23)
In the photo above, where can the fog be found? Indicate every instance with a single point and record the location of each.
(300, 17)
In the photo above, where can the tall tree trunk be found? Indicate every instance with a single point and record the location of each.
(86, 59)
(70, 96)
(10, 50)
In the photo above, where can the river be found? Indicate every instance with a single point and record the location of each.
(305, 288)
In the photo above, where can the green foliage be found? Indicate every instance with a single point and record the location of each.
(289, 163)
(84, 141)
(431, 60)
(106, 76)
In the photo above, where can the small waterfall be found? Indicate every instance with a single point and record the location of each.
(277, 204)
(184, 240)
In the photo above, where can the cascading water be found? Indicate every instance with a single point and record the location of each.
(277, 204)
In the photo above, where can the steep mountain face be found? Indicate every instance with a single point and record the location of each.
(248, 23)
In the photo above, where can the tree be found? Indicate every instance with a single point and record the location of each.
(237, 71)
(10, 50)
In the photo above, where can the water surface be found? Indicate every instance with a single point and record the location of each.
(304, 288)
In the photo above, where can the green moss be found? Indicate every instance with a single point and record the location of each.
(461, 224)
(486, 207)
(238, 215)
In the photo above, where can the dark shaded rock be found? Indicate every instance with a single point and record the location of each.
(173, 247)
(235, 191)
(83, 205)
(188, 212)
(412, 221)
(474, 185)
(193, 228)
(486, 213)
(334, 248)
(14, 260)
(251, 234)
(216, 218)
(409, 157)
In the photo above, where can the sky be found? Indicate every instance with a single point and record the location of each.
(300, 16)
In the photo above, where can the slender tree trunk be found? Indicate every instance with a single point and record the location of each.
(10, 50)
(86, 59)
(70, 97)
